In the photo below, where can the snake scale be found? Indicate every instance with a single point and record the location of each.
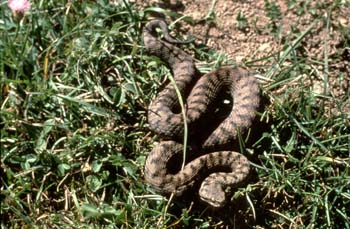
(222, 168)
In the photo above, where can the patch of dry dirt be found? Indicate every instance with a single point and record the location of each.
(249, 30)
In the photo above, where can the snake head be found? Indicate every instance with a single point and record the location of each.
(212, 194)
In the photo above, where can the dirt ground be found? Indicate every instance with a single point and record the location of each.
(250, 30)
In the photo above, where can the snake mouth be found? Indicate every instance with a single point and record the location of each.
(213, 202)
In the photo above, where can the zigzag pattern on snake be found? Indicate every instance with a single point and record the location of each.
(199, 93)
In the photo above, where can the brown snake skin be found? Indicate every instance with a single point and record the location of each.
(199, 94)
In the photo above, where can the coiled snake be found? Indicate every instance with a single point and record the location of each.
(199, 93)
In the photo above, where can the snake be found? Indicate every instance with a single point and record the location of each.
(213, 167)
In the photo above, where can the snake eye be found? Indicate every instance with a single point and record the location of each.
(226, 102)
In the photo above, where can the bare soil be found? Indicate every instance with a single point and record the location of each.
(257, 31)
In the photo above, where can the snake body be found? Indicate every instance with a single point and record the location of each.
(165, 119)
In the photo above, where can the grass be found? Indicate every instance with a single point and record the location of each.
(75, 85)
